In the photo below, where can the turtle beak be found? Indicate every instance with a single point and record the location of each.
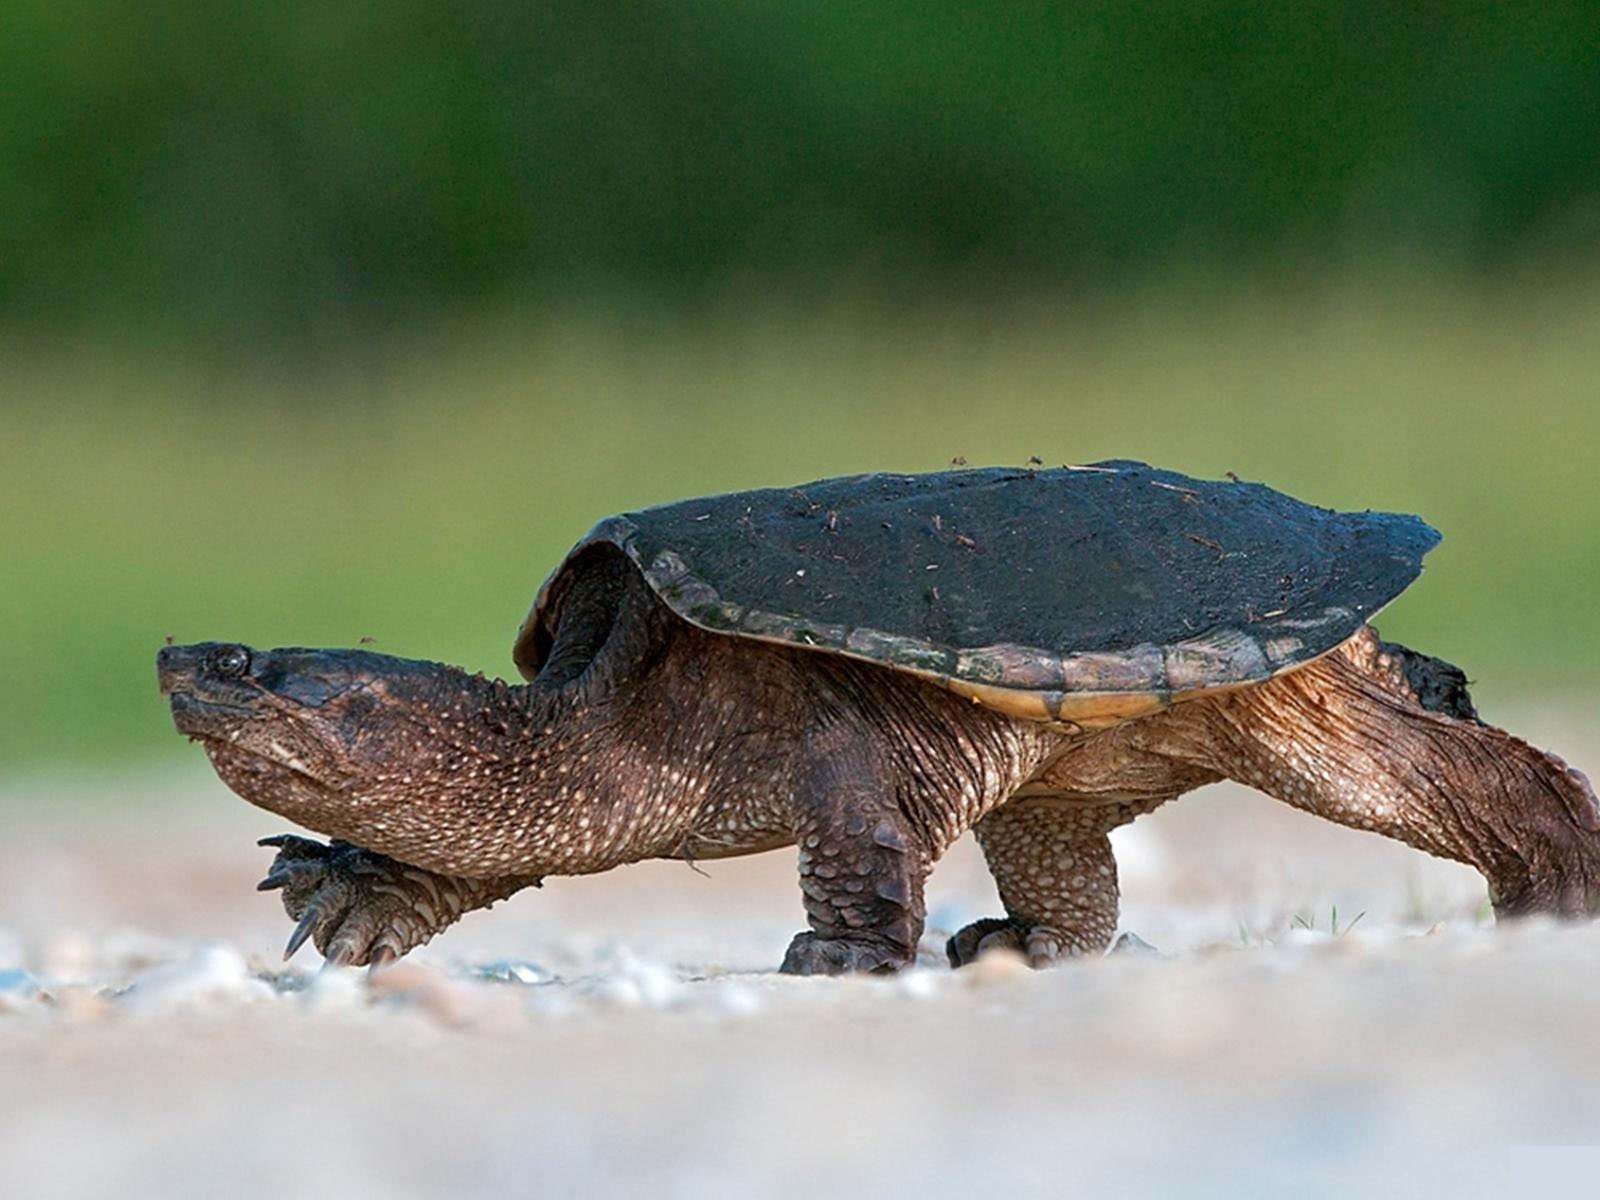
(203, 705)
(177, 667)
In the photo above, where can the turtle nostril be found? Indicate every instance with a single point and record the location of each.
(175, 667)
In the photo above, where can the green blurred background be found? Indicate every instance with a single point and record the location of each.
(322, 322)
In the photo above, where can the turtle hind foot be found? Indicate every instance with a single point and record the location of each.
(812, 954)
(357, 907)
(1042, 945)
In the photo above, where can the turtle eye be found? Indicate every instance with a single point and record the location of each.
(230, 662)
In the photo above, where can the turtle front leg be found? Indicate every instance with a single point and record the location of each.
(1053, 864)
(359, 907)
(862, 869)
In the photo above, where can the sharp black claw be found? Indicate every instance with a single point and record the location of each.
(277, 839)
(277, 879)
(302, 931)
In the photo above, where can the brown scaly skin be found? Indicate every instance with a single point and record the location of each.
(647, 738)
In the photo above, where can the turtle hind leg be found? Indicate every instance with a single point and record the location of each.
(1383, 739)
(1053, 864)
(1049, 850)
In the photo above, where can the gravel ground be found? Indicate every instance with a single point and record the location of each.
(1326, 1011)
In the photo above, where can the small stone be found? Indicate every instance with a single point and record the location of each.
(507, 970)
(69, 957)
(213, 975)
(632, 982)
(1132, 943)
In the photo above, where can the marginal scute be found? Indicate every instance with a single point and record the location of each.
(910, 653)
(1220, 657)
(1283, 649)
(1078, 597)
(1020, 667)
(1140, 668)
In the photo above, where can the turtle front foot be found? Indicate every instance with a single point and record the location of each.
(356, 907)
(1041, 945)
(810, 954)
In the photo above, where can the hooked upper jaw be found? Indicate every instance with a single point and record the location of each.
(324, 715)
(230, 698)
(208, 687)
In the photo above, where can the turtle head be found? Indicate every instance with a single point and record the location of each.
(287, 728)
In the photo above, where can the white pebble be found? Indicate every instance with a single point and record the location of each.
(214, 974)
(335, 990)
(634, 982)
(737, 1000)
(69, 957)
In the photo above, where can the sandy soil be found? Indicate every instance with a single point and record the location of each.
(625, 1034)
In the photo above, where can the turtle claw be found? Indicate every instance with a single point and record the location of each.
(284, 874)
(1041, 945)
(356, 906)
(308, 924)
(284, 841)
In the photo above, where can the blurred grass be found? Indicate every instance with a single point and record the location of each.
(418, 491)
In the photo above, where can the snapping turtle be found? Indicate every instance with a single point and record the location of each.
(866, 668)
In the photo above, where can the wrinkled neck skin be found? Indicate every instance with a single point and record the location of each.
(495, 779)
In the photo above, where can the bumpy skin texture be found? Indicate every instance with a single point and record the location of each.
(1052, 861)
(649, 738)
(1348, 739)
